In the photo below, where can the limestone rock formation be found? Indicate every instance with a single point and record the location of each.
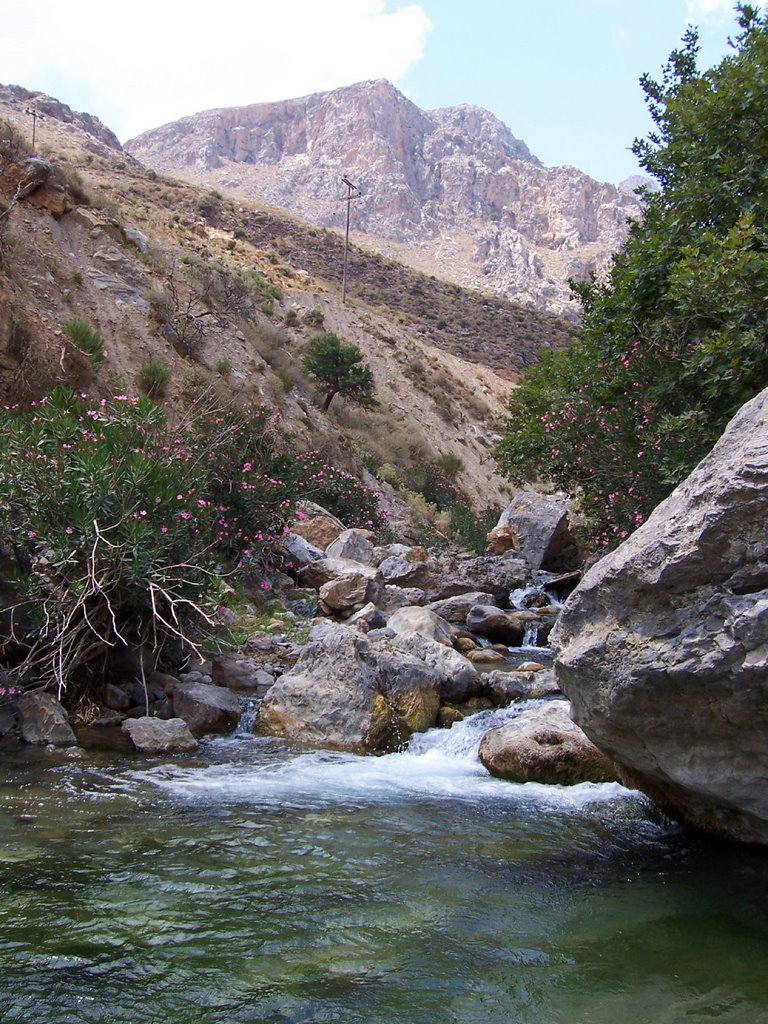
(42, 720)
(449, 191)
(663, 648)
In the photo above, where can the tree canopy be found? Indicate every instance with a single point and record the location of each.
(675, 340)
(339, 369)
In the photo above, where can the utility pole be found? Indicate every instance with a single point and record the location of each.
(353, 192)
(34, 114)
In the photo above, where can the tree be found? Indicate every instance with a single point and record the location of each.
(677, 338)
(339, 369)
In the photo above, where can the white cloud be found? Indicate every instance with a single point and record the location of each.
(705, 10)
(165, 59)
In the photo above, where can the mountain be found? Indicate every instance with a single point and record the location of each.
(226, 296)
(450, 192)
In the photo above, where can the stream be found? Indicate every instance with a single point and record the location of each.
(256, 881)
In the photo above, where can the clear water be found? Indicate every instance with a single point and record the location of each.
(255, 882)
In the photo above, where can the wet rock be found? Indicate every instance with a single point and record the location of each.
(486, 573)
(505, 627)
(351, 692)
(43, 721)
(206, 708)
(544, 745)
(663, 648)
(158, 736)
(504, 687)
(235, 672)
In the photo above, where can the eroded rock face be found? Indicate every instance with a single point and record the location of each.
(663, 648)
(544, 745)
(537, 526)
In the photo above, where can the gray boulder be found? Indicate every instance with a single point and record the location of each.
(299, 550)
(42, 720)
(160, 736)
(544, 745)
(354, 545)
(663, 648)
(459, 680)
(206, 708)
(422, 621)
(350, 692)
(537, 526)
(456, 609)
(496, 575)
(504, 687)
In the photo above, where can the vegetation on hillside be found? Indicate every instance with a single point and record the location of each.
(339, 369)
(677, 338)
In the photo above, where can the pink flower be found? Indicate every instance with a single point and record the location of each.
(69, 531)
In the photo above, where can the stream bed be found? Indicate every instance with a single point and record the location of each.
(254, 881)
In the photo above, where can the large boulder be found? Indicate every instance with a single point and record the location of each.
(458, 681)
(421, 621)
(537, 526)
(317, 525)
(504, 687)
(206, 708)
(487, 573)
(456, 609)
(663, 648)
(160, 736)
(494, 624)
(544, 745)
(353, 693)
(42, 720)
(329, 570)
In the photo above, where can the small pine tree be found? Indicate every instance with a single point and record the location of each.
(340, 370)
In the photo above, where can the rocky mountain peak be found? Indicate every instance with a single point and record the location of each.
(452, 192)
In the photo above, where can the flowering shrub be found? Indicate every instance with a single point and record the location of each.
(121, 526)
(338, 491)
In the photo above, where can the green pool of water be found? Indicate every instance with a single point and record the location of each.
(254, 882)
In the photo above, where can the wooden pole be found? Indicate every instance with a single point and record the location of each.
(353, 192)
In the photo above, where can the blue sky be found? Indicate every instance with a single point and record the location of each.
(562, 74)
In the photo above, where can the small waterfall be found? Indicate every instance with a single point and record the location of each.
(250, 706)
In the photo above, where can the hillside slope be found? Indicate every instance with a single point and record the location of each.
(227, 295)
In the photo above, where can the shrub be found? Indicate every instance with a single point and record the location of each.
(224, 367)
(153, 378)
(122, 526)
(339, 369)
(86, 339)
(337, 490)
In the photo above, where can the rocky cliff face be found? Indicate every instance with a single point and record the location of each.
(663, 648)
(452, 191)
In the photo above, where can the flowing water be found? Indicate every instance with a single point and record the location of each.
(258, 882)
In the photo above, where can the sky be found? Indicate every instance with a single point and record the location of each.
(562, 74)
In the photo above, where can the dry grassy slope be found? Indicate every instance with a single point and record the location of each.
(56, 264)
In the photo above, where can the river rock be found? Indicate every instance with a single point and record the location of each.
(160, 736)
(43, 721)
(486, 573)
(328, 570)
(421, 621)
(354, 545)
(459, 680)
(536, 525)
(402, 572)
(504, 687)
(353, 693)
(663, 648)
(456, 609)
(349, 592)
(505, 627)
(206, 708)
(394, 597)
(239, 673)
(544, 745)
